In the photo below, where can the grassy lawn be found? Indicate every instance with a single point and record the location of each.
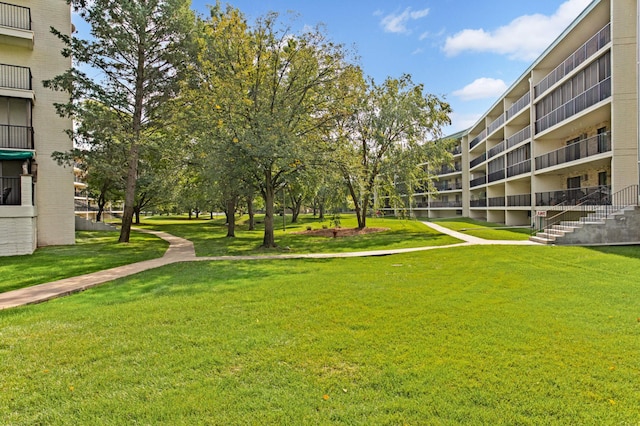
(471, 335)
(209, 238)
(92, 252)
(484, 230)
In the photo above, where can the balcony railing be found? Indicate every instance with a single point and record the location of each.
(495, 124)
(522, 200)
(590, 48)
(13, 16)
(582, 149)
(16, 137)
(448, 186)
(478, 203)
(519, 168)
(10, 191)
(444, 170)
(492, 177)
(478, 181)
(478, 139)
(518, 105)
(592, 96)
(14, 77)
(496, 202)
(445, 204)
(496, 150)
(521, 136)
(478, 160)
(593, 195)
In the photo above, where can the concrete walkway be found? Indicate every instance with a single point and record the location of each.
(181, 250)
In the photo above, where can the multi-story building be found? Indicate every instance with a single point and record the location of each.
(36, 202)
(565, 132)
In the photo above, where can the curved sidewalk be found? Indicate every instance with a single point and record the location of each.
(182, 250)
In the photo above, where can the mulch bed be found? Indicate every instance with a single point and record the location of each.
(341, 232)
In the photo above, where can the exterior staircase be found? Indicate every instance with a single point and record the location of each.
(585, 224)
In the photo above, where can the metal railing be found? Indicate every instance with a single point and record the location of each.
(496, 201)
(586, 99)
(10, 193)
(584, 52)
(521, 200)
(594, 195)
(445, 204)
(13, 16)
(478, 203)
(521, 136)
(447, 169)
(496, 149)
(518, 105)
(492, 177)
(478, 181)
(15, 77)
(475, 141)
(478, 160)
(495, 124)
(16, 137)
(578, 150)
(447, 186)
(586, 209)
(519, 168)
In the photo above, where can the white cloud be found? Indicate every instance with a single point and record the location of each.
(461, 122)
(482, 88)
(397, 23)
(524, 38)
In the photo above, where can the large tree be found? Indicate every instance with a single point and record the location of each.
(394, 127)
(138, 48)
(273, 92)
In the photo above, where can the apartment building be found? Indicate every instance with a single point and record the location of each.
(37, 199)
(566, 132)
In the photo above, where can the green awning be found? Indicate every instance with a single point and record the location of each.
(15, 155)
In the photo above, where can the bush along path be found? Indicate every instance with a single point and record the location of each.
(182, 250)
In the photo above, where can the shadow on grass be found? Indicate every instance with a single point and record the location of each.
(631, 251)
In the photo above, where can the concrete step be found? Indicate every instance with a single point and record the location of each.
(541, 240)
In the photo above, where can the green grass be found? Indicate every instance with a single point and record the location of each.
(484, 230)
(93, 251)
(209, 236)
(471, 335)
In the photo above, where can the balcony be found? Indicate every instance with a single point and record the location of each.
(495, 124)
(496, 202)
(518, 106)
(496, 149)
(445, 170)
(479, 203)
(14, 79)
(15, 25)
(593, 195)
(519, 137)
(522, 200)
(592, 96)
(445, 204)
(576, 151)
(478, 160)
(519, 168)
(478, 139)
(584, 52)
(492, 177)
(16, 137)
(10, 191)
(478, 181)
(448, 186)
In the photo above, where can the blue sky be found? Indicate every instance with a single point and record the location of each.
(468, 51)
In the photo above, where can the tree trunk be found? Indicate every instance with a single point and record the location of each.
(362, 223)
(129, 194)
(252, 219)
(101, 203)
(136, 212)
(268, 194)
(230, 211)
(296, 206)
(321, 211)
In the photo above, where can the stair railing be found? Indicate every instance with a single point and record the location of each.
(607, 205)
